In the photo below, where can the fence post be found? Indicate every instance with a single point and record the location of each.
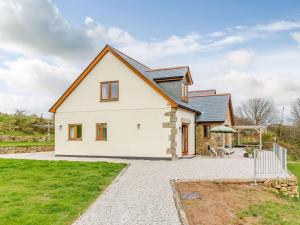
(285, 160)
(254, 155)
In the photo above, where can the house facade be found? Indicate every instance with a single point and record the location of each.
(119, 107)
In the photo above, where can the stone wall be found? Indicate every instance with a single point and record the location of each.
(173, 132)
(29, 138)
(202, 142)
(12, 150)
(214, 140)
(286, 186)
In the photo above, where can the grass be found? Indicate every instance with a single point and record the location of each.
(50, 192)
(24, 144)
(286, 211)
(294, 167)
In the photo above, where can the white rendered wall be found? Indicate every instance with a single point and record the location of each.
(138, 103)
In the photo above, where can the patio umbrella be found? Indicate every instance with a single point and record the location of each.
(223, 130)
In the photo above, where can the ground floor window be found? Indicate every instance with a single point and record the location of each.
(75, 132)
(206, 129)
(101, 131)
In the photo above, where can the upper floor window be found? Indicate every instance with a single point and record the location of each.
(184, 92)
(75, 132)
(109, 91)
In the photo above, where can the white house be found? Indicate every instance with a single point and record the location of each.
(119, 107)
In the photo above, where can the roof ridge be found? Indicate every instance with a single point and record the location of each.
(209, 95)
(168, 68)
(128, 56)
(203, 90)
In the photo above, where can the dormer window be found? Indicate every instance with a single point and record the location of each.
(184, 92)
(109, 91)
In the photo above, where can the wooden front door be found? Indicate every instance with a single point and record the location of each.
(185, 139)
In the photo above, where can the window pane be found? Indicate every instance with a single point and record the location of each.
(114, 89)
(104, 131)
(79, 131)
(72, 132)
(101, 131)
(206, 130)
(98, 132)
(104, 90)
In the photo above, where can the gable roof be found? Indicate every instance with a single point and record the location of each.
(138, 68)
(214, 107)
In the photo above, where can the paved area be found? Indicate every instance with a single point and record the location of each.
(143, 195)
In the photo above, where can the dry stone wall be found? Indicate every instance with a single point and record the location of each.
(12, 150)
(286, 186)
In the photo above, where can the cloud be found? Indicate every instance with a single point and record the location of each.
(296, 37)
(119, 36)
(45, 32)
(278, 26)
(32, 76)
(240, 34)
(241, 57)
(216, 34)
(38, 105)
(271, 75)
(154, 50)
(31, 27)
(93, 29)
(226, 41)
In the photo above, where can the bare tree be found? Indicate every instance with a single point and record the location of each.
(259, 111)
(296, 110)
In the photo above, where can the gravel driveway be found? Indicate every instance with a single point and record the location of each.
(143, 195)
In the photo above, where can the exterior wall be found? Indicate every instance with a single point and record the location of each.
(185, 116)
(138, 104)
(214, 139)
(202, 142)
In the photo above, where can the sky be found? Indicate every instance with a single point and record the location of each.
(248, 48)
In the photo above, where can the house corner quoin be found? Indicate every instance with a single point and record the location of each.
(173, 132)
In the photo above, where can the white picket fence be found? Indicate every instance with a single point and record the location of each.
(270, 163)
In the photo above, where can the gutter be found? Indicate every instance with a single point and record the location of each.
(193, 110)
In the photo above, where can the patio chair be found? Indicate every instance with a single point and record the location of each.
(228, 151)
(211, 151)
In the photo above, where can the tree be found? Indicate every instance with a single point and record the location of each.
(259, 111)
(296, 110)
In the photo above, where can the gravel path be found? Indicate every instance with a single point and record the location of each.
(143, 195)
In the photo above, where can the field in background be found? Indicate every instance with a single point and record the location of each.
(21, 130)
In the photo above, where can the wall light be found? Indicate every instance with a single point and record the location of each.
(60, 127)
(138, 126)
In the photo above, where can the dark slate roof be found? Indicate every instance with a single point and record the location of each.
(144, 70)
(213, 107)
(137, 65)
(167, 73)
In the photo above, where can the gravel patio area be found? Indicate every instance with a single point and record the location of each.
(143, 195)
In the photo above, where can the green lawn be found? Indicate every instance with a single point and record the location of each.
(24, 144)
(285, 211)
(294, 167)
(50, 192)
